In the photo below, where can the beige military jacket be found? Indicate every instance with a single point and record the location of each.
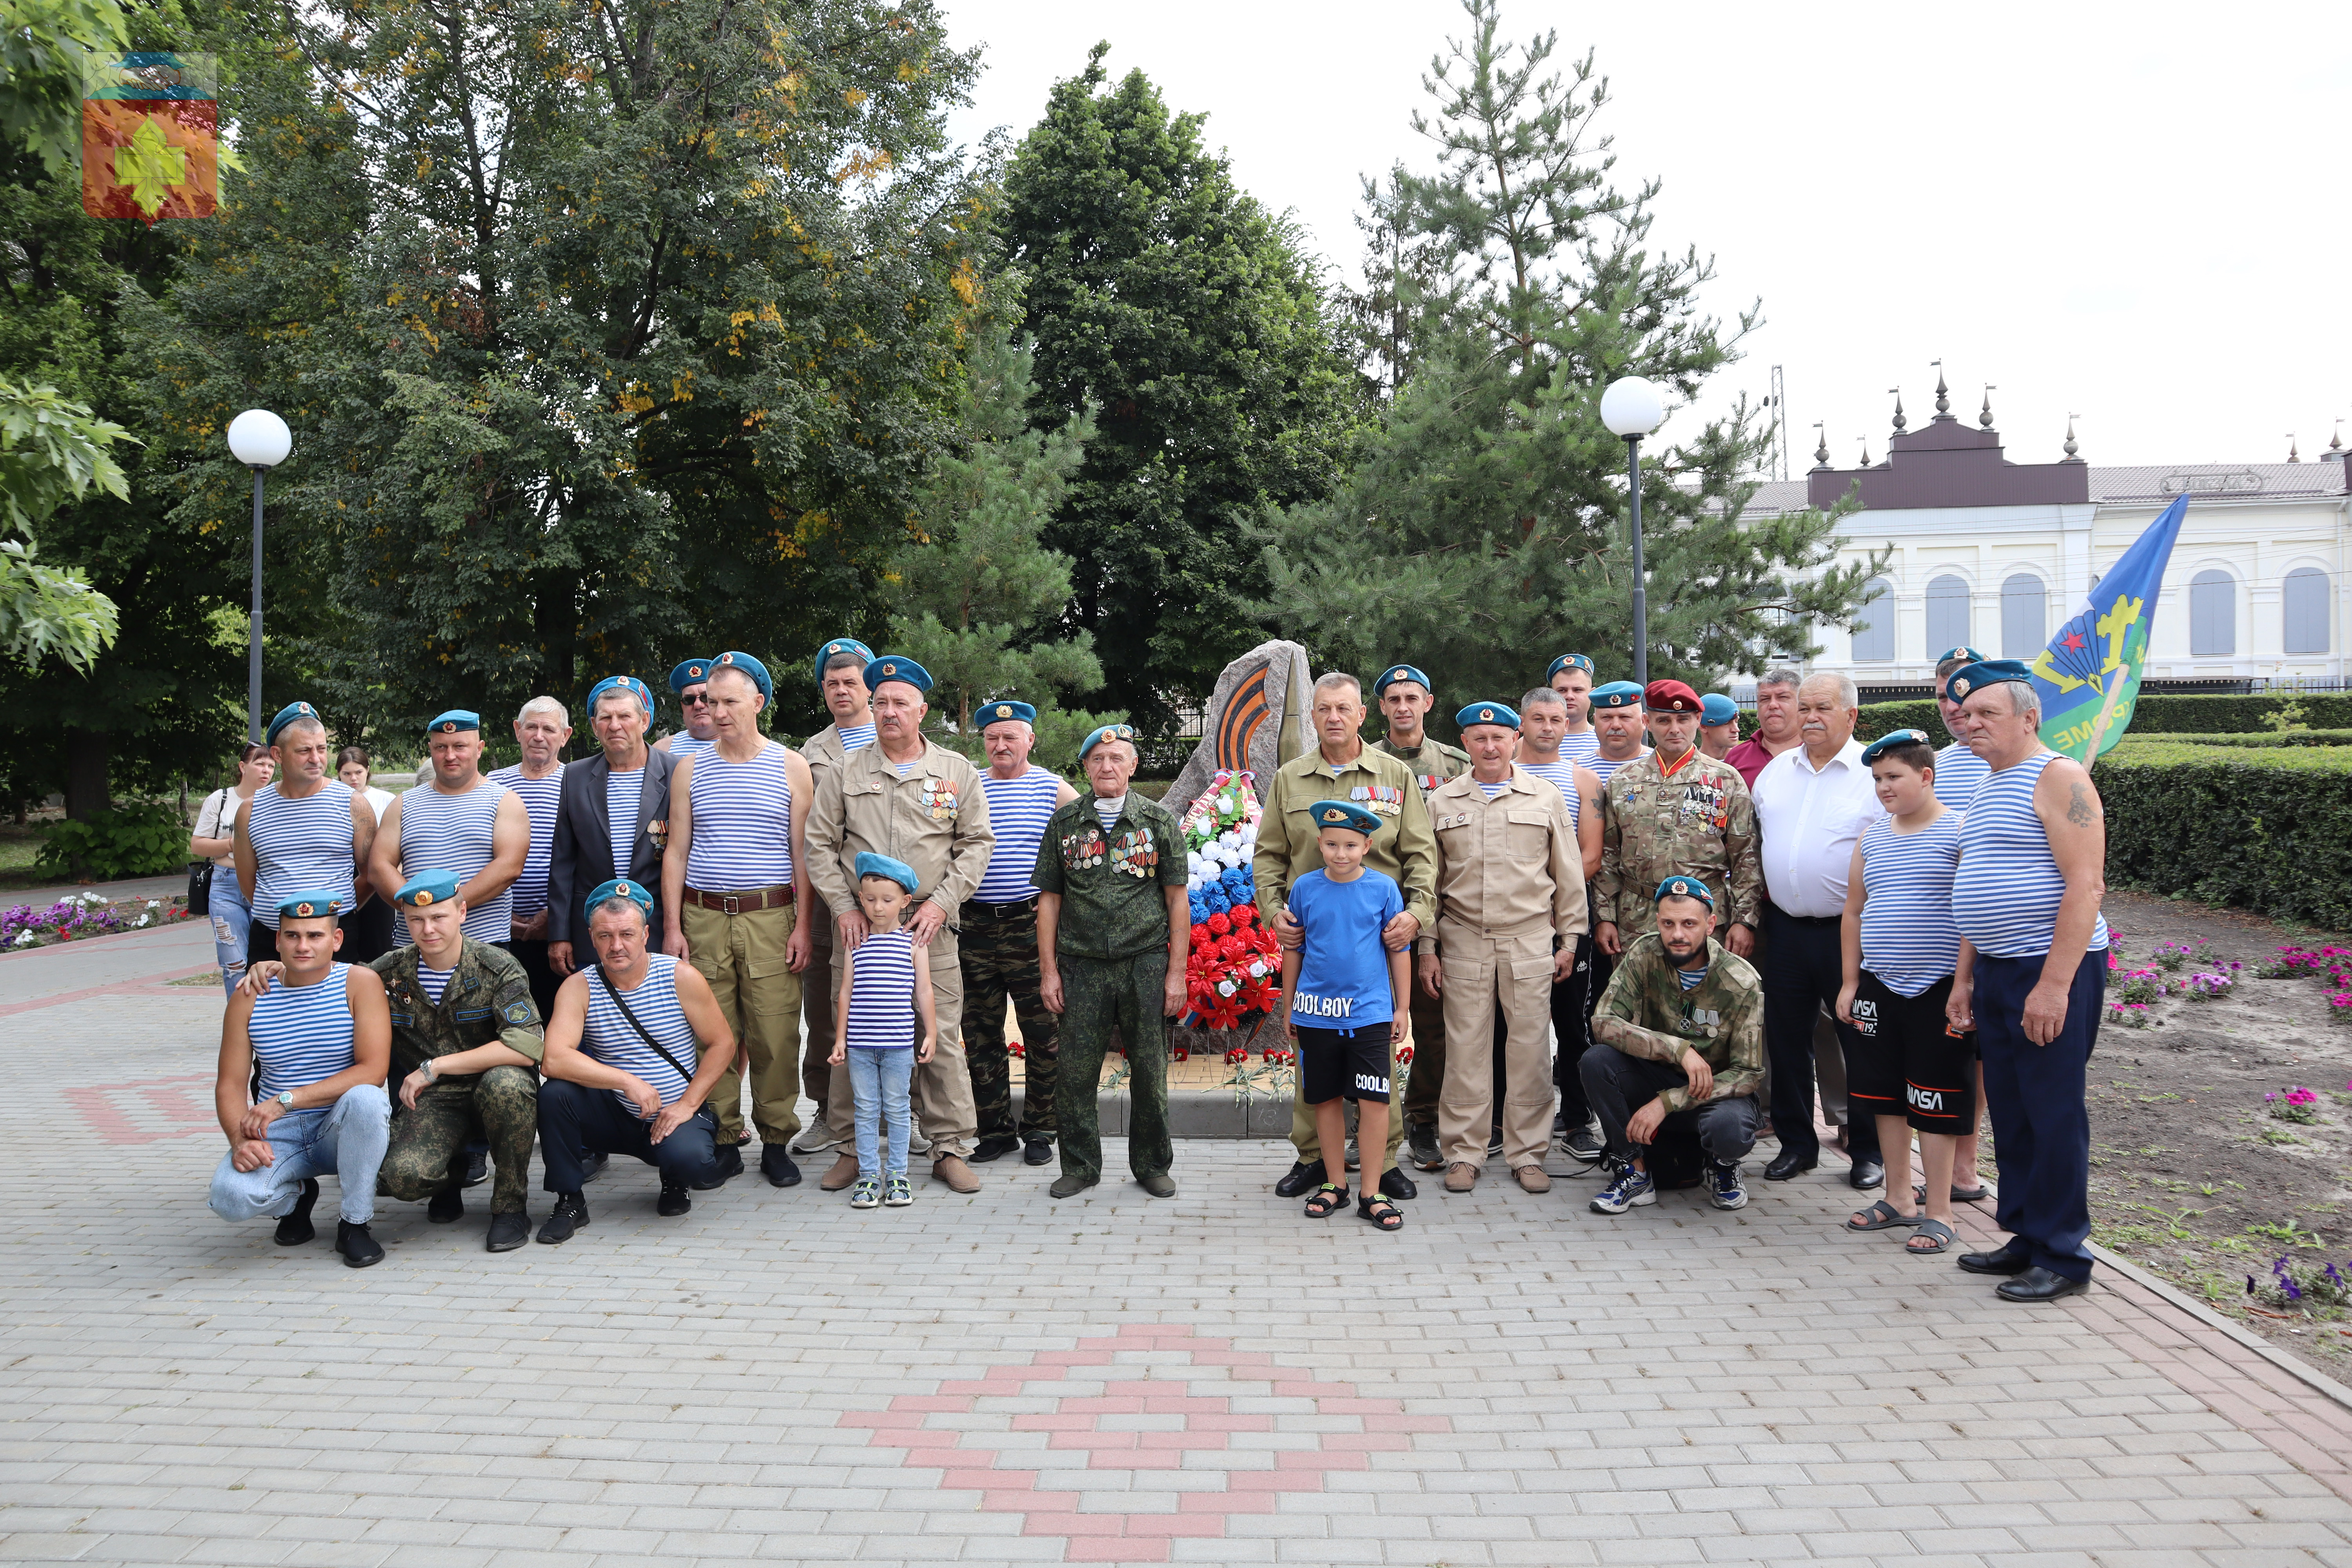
(935, 819)
(1287, 849)
(1506, 865)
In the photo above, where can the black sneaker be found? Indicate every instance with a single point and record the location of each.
(1584, 1143)
(1420, 1146)
(777, 1166)
(593, 1166)
(295, 1229)
(1040, 1152)
(359, 1249)
(993, 1147)
(571, 1215)
(675, 1201)
(1559, 1124)
(477, 1167)
(1495, 1141)
(730, 1166)
(447, 1208)
(1303, 1174)
(509, 1231)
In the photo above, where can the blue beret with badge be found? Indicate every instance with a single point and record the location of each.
(1568, 661)
(685, 673)
(1985, 672)
(744, 662)
(869, 864)
(1397, 672)
(310, 906)
(456, 722)
(630, 684)
(428, 888)
(1964, 653)
(292, 713)
(1501, 713)
(1005, 713)
(1684, 888)
(1892, 739)
(896, 667)
(1716, 709)
(625, 890)
(1344, 814)
(1617, 694)
(835, 649)
(1107, 732)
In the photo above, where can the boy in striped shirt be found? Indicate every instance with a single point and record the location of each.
(886, 1025)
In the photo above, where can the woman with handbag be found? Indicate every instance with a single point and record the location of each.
(212, 873)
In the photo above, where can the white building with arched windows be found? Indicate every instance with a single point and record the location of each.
(1995, 555)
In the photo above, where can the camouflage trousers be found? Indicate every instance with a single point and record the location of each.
(1000, 961)
(501, 1105)
(1128, 995)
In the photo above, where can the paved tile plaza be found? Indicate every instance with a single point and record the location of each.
(1003, 1379)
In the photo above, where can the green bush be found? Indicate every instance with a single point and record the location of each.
(1919, 713)
(2157, 714)
(2263, 738)
(137, 841)
(2264, 828)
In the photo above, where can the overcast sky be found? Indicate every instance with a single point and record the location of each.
(2141, 215)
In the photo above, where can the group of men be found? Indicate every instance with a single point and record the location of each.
(609, 952)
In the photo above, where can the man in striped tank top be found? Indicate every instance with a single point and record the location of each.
(305, 829)
(1571, 675)
(542, 729)
(1959, 770)
(634, 1050)
(1543, 727)
(690, 682)
(840, 669)
(737, 816)
(2032, 972)
(301, 1088)
(460, 822)
(998, 930)
(1618, 724)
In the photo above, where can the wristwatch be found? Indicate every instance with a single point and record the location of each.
(286, 1100)
(432, 1073)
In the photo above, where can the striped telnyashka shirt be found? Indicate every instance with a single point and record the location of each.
(622, 794)
(1018, 809)
(2005, 895)
(452, 833)
(300, 847)
(1580, 748)
(882, 994)
(1959, 773)
(856, 738)
(742, 823)
(1909, 939)
(540, 798)
(683, 745)
(1561, 776)
(1603, 768)
(302, 1034)
(607, 1036)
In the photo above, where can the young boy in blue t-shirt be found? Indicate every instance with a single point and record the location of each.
(1342, 994)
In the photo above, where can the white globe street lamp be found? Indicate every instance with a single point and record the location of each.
(1632, 408)
(259, 440)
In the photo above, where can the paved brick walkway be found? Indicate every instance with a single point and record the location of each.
(1002, 1379)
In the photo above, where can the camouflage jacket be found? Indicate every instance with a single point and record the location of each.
(1111, 884)
(1646, 1013)
(1432, 762)
(1700, 822)
(488, 998)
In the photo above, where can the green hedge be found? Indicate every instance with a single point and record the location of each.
(1920, 714)
(2155, 714)
(2266, 739)
(2266, 829)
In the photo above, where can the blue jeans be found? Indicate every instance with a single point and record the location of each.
(231, 920)
(345, 1140)
(878, 1080)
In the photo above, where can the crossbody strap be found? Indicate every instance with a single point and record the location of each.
(643, 1033)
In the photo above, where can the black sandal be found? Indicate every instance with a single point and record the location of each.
(1328, 1199)
(1372, 1207)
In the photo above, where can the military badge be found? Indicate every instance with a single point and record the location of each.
(1137, 853)
(516, 1013)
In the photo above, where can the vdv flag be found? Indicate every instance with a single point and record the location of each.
(2088, 678)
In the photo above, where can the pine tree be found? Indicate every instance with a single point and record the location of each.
(971, 587)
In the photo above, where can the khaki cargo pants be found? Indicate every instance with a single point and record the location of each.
(742, 956)
(1484, 973)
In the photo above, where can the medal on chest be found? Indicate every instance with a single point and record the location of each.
(1385, 799)
(1083, 848)
(1136, 853)
(938, 799)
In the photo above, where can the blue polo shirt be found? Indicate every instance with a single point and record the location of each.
(1343, 969)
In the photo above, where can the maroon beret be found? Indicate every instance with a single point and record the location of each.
(1670, 697)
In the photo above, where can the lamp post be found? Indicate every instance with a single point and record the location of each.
(259, 440)
(1632, 408)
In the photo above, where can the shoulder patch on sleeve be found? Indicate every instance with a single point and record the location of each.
(516, 1012)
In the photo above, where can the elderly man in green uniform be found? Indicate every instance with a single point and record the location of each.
(1342, 767)
(1406, 696)
(467, 1041)
(1676, 812)
(1114, 932)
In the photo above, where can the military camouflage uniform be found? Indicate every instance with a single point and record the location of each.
(1110, 946)
(1697, 822)
(1432, 762)
(487, 999)
(1646, 1020)
(1000, 960)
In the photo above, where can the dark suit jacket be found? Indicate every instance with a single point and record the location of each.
(582, 856)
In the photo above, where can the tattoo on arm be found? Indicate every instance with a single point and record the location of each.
(2082, 810)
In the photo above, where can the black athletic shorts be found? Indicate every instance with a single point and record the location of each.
(1333, 1066)
(1911, 1064)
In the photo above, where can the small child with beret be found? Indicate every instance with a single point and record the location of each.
(886, 1026)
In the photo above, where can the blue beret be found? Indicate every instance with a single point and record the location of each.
(836, 647)
(1000, 712)
(1985, 672)
(869, 864)
(1684, 888)
(630, 684)
(1397, 672)
(309, 905)
(621, 887)
(1888, 742)
(1568, 661)
(1107, 732)
(1501, 713)
(690, 672)
(1617, 694)
(749, 666)
(428, 888)
(1715, 708)
(1963, 652)
(897, 667)
(455, 721)
(292, 713)
(1345, 814)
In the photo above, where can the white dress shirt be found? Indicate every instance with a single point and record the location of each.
(1810, 819)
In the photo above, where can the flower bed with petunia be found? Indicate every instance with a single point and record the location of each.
(78, 917)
